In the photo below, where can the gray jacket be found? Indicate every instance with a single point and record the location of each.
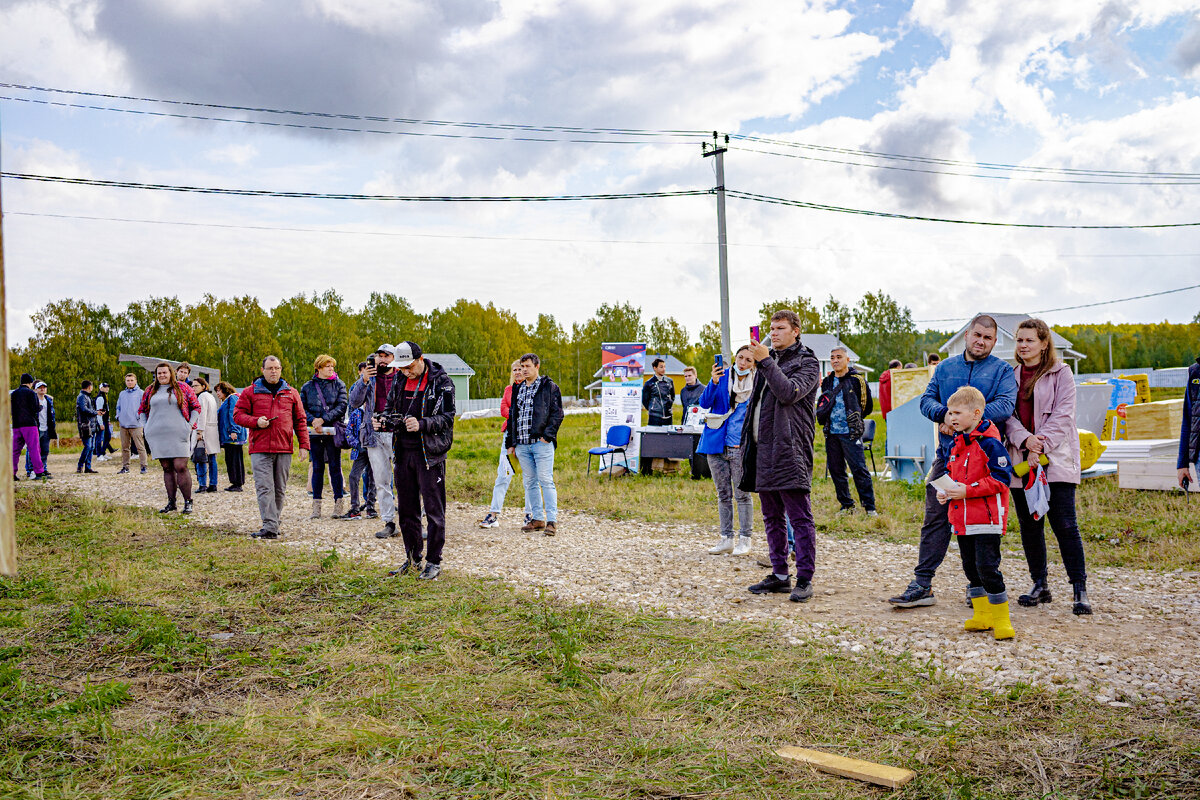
(781, 456)
(362, 395)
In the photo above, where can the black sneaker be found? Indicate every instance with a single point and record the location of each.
(372, 514)
(771, 585)
(264, 534)
(802, 593)
(430, 573)
(44, 476)
(915, 595)
(123, 470)
(90, 471)
(408, 566)
(143, 470)
(353, 513)
(388, 532)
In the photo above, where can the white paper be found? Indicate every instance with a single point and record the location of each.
(944, 484)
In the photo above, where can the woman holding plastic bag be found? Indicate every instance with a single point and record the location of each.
(1042, 436)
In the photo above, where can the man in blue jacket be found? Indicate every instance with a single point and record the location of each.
(1189, 432)
(994, 378)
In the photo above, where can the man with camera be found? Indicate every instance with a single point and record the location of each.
(420, 412)
(370, 393)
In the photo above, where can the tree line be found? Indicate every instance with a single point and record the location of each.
(75, 339)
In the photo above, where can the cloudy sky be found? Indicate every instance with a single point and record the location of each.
(1073, 88)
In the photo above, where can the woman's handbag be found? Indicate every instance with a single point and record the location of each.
(200, 454)
(339, 428)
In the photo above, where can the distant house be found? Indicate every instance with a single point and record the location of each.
(459, 371)
(1006, 343)
(674, 372)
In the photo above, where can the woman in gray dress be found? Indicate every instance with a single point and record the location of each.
(168, 414)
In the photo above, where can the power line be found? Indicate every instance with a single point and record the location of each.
(344, 129)
(956, 163)
(558, 240)
(167, 187)
(1166, 181)
(759, 198)
(762, 198)
(1085, 305)
(570, 129)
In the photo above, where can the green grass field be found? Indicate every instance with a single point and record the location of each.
(143, 657)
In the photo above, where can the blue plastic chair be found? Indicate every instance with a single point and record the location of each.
(868, 440)
(618, 440)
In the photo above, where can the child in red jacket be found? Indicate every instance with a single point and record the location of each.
(979, 508)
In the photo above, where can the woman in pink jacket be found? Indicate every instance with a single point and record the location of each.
(1044, 424)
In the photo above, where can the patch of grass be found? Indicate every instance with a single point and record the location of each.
(204, 665)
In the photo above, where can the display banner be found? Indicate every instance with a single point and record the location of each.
(624, 364)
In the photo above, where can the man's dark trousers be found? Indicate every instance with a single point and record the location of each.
(935, 532)
(778, 509)
(842, 450)
(417, 484)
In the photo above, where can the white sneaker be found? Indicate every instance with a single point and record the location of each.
(742, 547)
(872, 513)
(723, 546)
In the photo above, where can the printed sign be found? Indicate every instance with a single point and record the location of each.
(624, 364)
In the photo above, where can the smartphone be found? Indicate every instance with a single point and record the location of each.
(754, 334)
(720, 361)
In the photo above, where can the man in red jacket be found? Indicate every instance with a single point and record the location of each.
(273, 413)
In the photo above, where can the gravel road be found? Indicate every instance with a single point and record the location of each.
(1136, 648)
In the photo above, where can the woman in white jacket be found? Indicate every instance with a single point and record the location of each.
(209, 438)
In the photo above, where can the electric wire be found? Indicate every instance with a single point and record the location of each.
(570, 129)
(762, 198)
(1166, 181)
(558, 240)
(168, 187)
(1085, 305)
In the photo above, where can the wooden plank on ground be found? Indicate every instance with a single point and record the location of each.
(879, 774)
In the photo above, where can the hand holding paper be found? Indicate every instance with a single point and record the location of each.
(948, 488)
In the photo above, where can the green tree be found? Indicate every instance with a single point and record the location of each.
(883, 328)
(667, 336)
(389, 318)
(233, 336)
(305, 328)
(706, 349)
(486, 337)
(74, 340)
(810, 315)
(836, 317)
(557, 353)
(157, 328)
(611, 323)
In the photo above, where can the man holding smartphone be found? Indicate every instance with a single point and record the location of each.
(370, 393)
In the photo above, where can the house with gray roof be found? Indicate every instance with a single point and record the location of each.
(460, 373)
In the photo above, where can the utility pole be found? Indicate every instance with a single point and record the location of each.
(8, 510)
(718, 148)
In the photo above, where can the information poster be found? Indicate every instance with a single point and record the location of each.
(624, 364)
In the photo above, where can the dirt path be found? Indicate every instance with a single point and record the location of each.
(1138, 646)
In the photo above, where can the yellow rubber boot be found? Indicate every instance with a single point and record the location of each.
(1001, 624)
(982, 621)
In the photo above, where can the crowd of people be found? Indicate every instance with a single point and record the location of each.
(1007, 438)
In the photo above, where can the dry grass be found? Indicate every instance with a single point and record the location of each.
(152, 658)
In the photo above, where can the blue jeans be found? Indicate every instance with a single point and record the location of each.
(504, 475)
(537, 467)
(206, 469)
(85, 458)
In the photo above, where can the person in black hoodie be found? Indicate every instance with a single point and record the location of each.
(25, 408)
(532, 436)
(86, 421)
(420, 412)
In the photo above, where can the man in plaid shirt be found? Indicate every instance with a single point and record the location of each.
(532, 436)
